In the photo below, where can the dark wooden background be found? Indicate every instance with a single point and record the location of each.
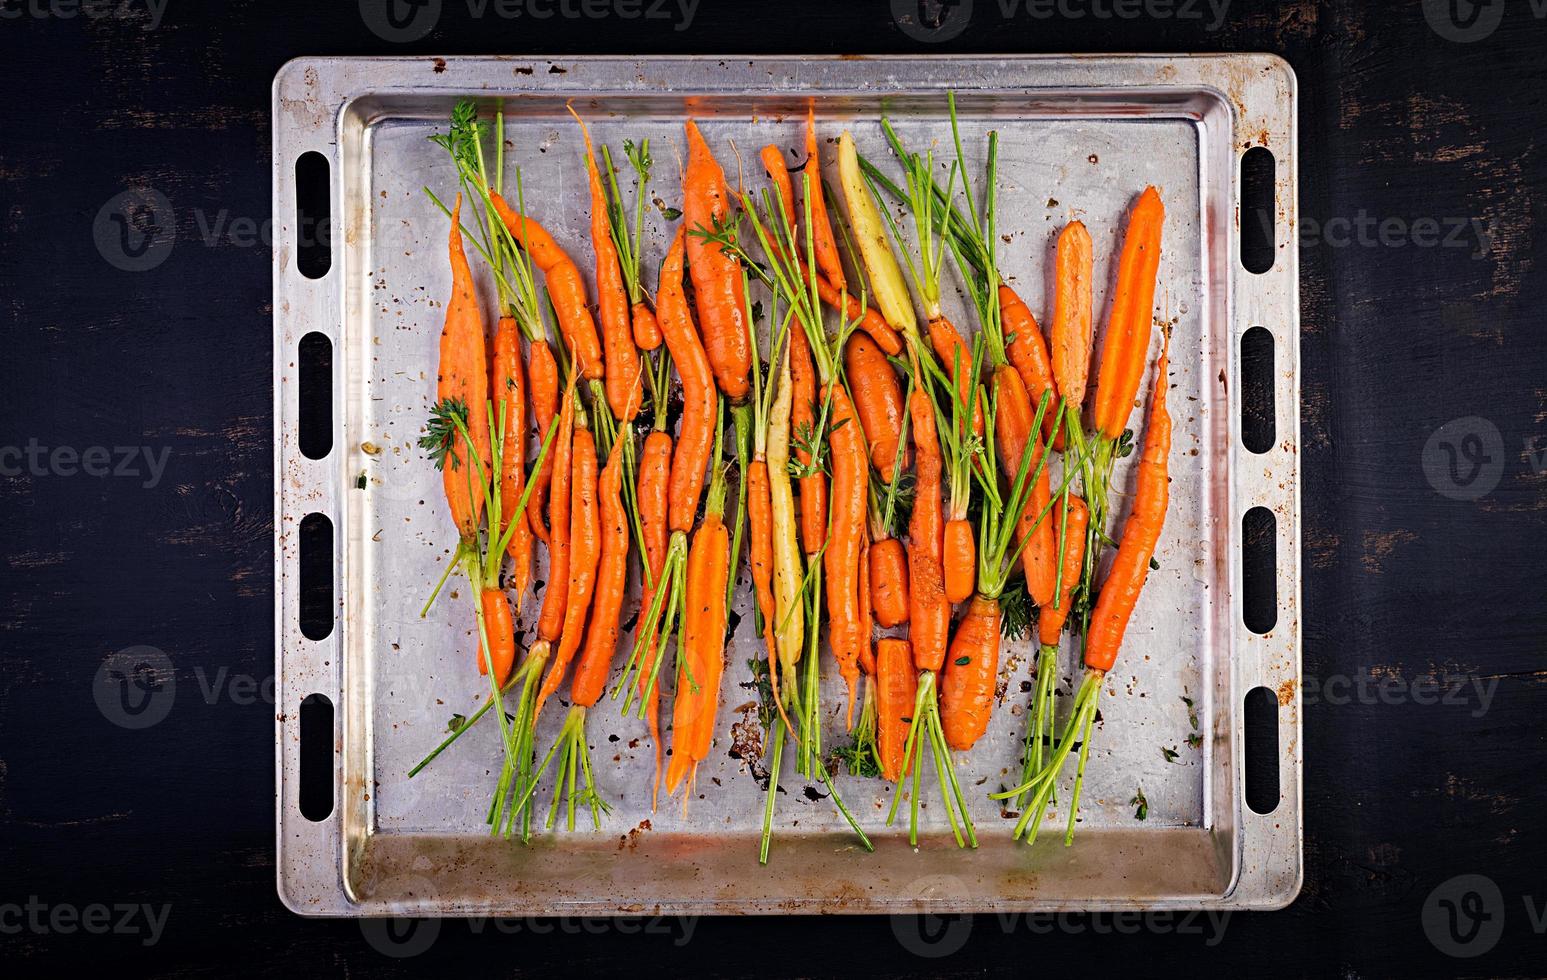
(1403, 118)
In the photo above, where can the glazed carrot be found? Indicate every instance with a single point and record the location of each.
(1012, 435)
(550, 623)
(501, 633)
(760, 527)
(877, 401)
(896, 688)
(601, 637)
(803, 422)
(565, 288)
(1126, 342)
(1120, 592)
(703, 642)
(822, 229)
(1028, 352)
(717, 286)
(956, 358)
(463, 377)
(544, 376)
(788, 605)
(961, 559)
(584, 553)
(1114, 607)
(779, 173)
(851, 478)
(620, 356)
(1051, 617)
(889, 582)
(971, 669)
(1071, 332)
(654, 476)
(508, 389)
(647, 331)
(867, 619)
(870, 319)
(699, 399)
(929, 611)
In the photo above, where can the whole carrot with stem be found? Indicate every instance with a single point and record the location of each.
(1114, 608)
(929, 624)
(576, 782)
(584, 555)
(565, 287)
(463, 378)
(622, 382)
(1072, 516)
(690, 460)
(703, 635)
(629, 239)
(651, 501)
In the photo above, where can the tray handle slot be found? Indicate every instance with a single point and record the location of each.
(316, 576)
(1259, 430)
(313, 215)
(317, 734)
(1260, 750)
(1259, 563)
(1258, 170)
(314, 411)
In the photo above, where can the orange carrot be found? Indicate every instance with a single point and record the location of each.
(654, 476)
(870, 319)
(929, 611)
(1071, 333)
(695, 437)
(509, 390)
(1051, 618)
(463, 377)
(717, 285)
(877, 400)
(544, 376)
(971, 669)
(1125, 345)
(550, 623)
(867, 620)
(889, 582)
(760, 528)
(779, 173)
(950, 348)
(565, 288)
(621, 358)
(1120, 592)
(1028, 352)
(822, 229)
(850, 489)
(601, 638)
(1012, 434)
(703, 645)
(647, 331)
(584, 553)
(896, 689)
(961, 560)
(803, 420)
(501, 631)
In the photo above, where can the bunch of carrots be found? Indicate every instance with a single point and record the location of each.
(886, 472)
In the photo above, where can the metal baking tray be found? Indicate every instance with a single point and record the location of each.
(1079, 137)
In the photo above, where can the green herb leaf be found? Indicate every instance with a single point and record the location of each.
(963, 661)
(1140, 804)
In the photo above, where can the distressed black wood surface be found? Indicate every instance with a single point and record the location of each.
(1400, 122)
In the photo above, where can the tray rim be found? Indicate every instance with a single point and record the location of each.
(1270, 300)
